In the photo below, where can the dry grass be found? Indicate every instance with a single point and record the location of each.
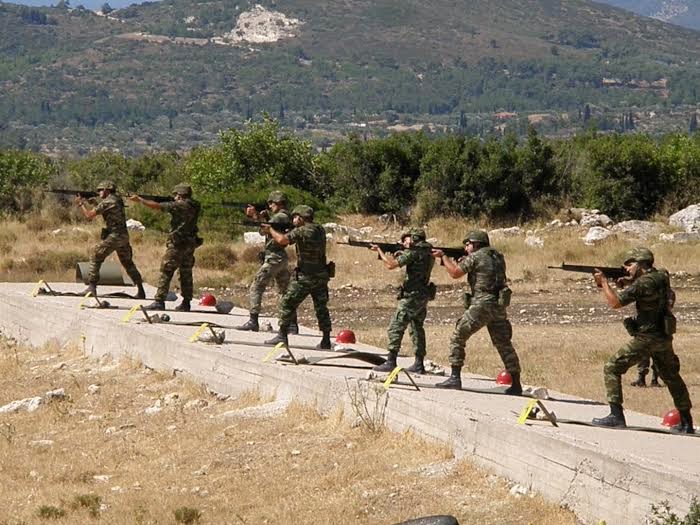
(100, 456)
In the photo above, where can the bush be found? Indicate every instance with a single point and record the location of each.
(187, 515)
(216, 256)
(661, 514)
(91, 502)
(50, 512)
(53, 261)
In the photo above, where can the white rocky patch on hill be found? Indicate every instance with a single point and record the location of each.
(260, 25)
(670, 9)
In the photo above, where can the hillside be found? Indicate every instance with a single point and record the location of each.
(172, 73)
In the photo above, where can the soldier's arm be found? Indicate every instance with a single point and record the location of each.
(149, 204)
(610, 295)
(87, 213)
(389, 261)
(453, 269)
(280, 238)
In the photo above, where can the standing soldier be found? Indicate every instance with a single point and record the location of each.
(180, 246)
(486, 305)
(310, 276)
(414, 295)
(652, 336)
(275, 263)
(643, 371)
(115, 237)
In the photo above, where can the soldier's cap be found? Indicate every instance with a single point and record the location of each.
(106, 185)
(277, 197)
(639, 254)
(479, 236)
(416, 234)
(182, 189)
(307, 212)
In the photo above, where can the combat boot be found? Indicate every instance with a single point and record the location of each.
(515, 388)
(140, 292)
(155, 305)
(325, 343)
(388, 365)
(454, 381)
(184, 306)
(686, 424)
(616, 418)
(654, 377)
(251, 325)
(417, 367)
(293, 326)
(281, 337)
(641, 380)
(91, 289)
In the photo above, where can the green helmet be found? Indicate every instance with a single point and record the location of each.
(479, 236)
(107, 185)
(183, 189)
(416, 234)
(304, 211)
(639, 254)
(277, 197)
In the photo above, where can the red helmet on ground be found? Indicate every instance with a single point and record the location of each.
(345, 336)
(671, 418)
(504, 378)
(208, 300)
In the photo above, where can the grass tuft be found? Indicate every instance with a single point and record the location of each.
(187, 515)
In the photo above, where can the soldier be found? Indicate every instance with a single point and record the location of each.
(275, 263)
(310, 276)
(414, 295)
(486, 305)
(115, 237)
(652, 336)
(643, 371)
(180, 246)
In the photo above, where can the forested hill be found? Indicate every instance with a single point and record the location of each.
(171, 73)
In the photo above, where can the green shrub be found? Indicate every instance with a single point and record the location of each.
(91, 502)
(187, 515)
(216, 256)
(50, 512)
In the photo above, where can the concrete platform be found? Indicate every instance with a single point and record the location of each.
(600, 474)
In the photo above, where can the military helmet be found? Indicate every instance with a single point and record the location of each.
(304, 211)
(106, 185)
(416, 234)
(183, 189)
(277, 197)
(479, 236)
(639, 254)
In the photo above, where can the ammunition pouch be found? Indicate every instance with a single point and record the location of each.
(504, 296)
(330, 267)
(104, 233)
(631, 325)
(467, 300)
(669, 324)
(432, 291)
(261, 257)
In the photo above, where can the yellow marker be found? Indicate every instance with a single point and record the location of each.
(277, 348)
(130, 313)
(35, 292)
(392, 377)
(81, 304)
(198, 332)
(526, 411)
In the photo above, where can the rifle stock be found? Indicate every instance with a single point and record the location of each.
(608, 271)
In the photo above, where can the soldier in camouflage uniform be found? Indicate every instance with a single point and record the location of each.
(413, 297)
(486, 305)
(275, 263)
(652, 336)
(180, 246)
(310, 276)
(115, 237)
(643, 371)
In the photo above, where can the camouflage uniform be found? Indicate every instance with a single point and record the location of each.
(180, 246)
(486, 274)
(115, 238)
(310, 276)
(413, 298)
(649, 292)
(275, 266)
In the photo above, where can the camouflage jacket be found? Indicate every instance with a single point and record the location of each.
(310, 243)
(184, 215)
(114, 214)
(419, 265)
(486, 274)
(650, 293)
(272, 249)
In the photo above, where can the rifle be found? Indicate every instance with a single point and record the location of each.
(393, 247)
(609, 272)
(282, 227)
(157, 198)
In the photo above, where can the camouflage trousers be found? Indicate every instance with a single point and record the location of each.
(177, 257)
(645, 364)
(113, 243)
(496, 321)
(276, 269)
(410, 313)
(643, 346)
(298, 290)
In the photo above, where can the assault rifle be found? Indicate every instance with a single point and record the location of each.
(609, 272)
(393, 247)
(157, 198)
(282, 227)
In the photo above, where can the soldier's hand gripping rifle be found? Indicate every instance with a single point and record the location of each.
(394, 247)
(617, 273)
